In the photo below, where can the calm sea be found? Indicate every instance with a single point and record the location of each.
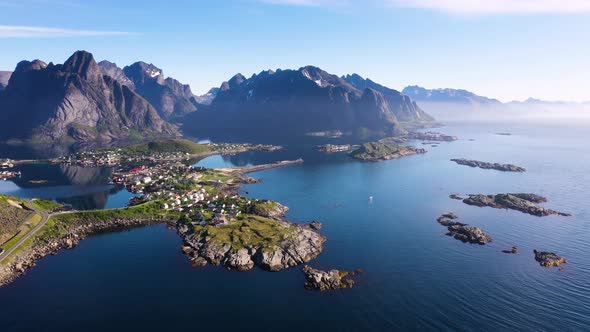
(416, 278)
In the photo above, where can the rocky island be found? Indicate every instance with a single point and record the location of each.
(332, 148)
(486, 165)
(525, 203)
(548, 259)
(376, 151)
(327, 280)
(461, 232)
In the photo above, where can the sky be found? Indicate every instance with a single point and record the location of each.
(505, 49)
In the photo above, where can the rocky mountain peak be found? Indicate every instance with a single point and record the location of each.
(140, 72)
(112, 70)
(83, 64)
(27, 66)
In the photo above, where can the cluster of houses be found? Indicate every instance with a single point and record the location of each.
(160, 183)
(92, 158)
(227, 148)
(8, 174)
(109, 158)
(6, 164)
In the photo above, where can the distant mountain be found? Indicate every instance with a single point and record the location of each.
(74, 101)
(303, 101)
(171, 98)
(458, 96)
(207, 98)
(4, 77)
(404, 108)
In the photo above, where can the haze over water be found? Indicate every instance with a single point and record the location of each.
(416, 278)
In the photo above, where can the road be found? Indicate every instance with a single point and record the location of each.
(45, 219)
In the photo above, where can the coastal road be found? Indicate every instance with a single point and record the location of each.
(44, 221)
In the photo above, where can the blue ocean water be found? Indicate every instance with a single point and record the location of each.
(416, 278)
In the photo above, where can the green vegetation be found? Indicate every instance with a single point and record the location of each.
(377, 151)
(11, 216)
(60, 224)
(248, 232)
(23, 230)
(46, 205)
(170, 146)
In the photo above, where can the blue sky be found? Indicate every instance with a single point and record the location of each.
(508, 49)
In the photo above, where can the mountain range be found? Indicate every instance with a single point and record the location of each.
(74, 100)
(82, 100)
(306, 101)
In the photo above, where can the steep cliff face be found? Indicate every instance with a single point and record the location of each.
(171, 98)
(112, 70)
(75, 101)
(404, 108)
(297, 102)
(4, 77)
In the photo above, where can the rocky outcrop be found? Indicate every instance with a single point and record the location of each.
(548, 259)
(469, 234)
(327, 280)
(74, 101)
(456, 197)
(75, 233)
(315, 225)
(512, 250)
(486, 165)
(269, 209)
(461, 231)
(299, 246)
(525, 203)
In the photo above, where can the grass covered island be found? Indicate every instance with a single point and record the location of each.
(217, 225)
(379, 151)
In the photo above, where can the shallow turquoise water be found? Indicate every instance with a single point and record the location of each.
(416, 277)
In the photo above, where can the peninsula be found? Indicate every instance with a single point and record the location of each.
(217, 225)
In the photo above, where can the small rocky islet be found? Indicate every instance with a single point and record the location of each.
(487, 165)
(548, 259)
(523, 202)
(461, 231)
(378, 151)
(316, 279)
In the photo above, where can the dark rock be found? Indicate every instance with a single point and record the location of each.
(315, 225)
(486, 165)
(326, 280)
(469, 234)
(513, 250)
(548, 259)
(525, 203)
(455, 196)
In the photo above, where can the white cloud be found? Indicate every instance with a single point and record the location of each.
(15, 31)
(308, 3)
(477, 7)
(498, 6)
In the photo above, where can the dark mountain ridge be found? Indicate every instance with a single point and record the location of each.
(303, 101)
(74, 100)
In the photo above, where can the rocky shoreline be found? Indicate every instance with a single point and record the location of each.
(486, 165)
(525, 203)
(28, 258)
(299, 245)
